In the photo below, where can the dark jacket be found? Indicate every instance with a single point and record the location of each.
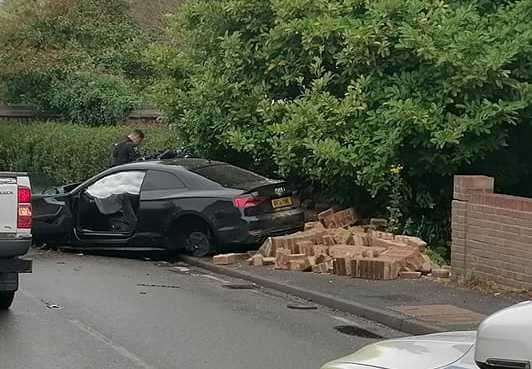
(124, 152)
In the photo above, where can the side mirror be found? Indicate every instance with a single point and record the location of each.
(504, 340)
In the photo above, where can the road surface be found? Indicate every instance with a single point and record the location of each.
(100, 312)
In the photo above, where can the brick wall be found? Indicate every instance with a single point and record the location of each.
(491, 234)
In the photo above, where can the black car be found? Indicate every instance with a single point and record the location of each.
(191, 205)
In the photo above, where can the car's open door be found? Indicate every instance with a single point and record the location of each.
(52, 218)
(106, 210)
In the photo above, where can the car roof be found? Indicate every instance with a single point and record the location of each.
(186, 163)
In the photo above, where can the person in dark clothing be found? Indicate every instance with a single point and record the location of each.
(127, 151)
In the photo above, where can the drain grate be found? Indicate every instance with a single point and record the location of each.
(355, 331)
(239, 286)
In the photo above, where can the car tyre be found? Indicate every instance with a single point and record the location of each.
(6, 299)
(198, 243)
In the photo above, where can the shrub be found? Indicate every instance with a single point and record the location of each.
(92, 98)
(68, 152)
(87, 51)
(337, 92)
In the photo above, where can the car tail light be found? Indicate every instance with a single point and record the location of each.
(248, 202)
(24, 213)
(24, 195)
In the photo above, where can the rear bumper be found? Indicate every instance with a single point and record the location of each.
(254, 230)
(14, 247)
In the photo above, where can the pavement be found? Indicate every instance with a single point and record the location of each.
(94, 312)
(414, 306)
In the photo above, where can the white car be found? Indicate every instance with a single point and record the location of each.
(503, 341)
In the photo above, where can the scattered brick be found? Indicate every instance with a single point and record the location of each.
(267, 248)
(413, 242)
(426, 268)
(402, 239)
(328, 240)
(339, 266)
(381, 242)
(293, 257)
(324, 216)
(314, 226)
(321, 268)
(343, 236)
(361, 240)
(343, 218)
(342, 251)
(320, 250)
(419, 243)
(258, 260)
(293, 246)
(300, 265)
(441, 273)
(378, 223)
(281, 259)
(322, 259)
(242, 256)
(376, 269)
(306, 247)
(406, 257)
(410, 275)
(224, 259)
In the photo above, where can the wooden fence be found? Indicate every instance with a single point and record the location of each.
(27, 114)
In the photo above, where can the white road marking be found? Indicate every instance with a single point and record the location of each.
(214, 278)
(107, 341)
(343, 320)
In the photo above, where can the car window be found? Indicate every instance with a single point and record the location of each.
(228, 175)
(156, 180)
(117, 183)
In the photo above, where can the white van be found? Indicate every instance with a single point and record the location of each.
(15, 232)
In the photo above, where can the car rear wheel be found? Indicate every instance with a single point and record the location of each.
(198, 243)
(6, 299)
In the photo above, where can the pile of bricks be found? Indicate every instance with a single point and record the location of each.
(334, 245)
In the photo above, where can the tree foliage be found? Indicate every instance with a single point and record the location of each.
(337, 92)
(50, 44)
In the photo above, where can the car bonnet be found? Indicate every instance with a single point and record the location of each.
(423, 352)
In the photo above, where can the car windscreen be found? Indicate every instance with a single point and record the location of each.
(228, 175)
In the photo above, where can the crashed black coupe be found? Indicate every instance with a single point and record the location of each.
(191, 205)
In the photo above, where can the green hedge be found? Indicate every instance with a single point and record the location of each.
(67, 152)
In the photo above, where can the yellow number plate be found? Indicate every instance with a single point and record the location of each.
(282, 202)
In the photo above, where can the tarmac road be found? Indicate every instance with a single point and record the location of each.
(96, 312)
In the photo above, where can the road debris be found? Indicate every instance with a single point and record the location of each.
(51, 305)
(301, 307)
(335, 245)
